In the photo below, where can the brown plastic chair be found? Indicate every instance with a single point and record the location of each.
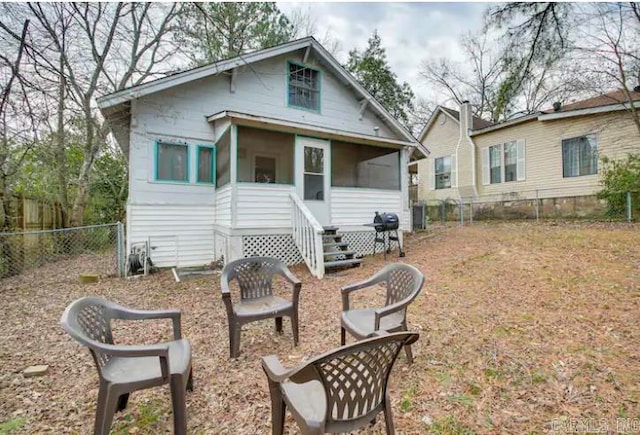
(257, 302)
(403, 283)
(123, 368)
(339, 391)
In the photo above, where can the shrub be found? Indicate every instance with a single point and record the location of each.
(618, 178)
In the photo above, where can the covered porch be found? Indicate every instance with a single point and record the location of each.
(279, 184)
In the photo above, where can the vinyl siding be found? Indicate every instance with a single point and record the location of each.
(181, 235)
(616, 135)
(352, 207)
(263, 206)
(441, 140)
(223, 206)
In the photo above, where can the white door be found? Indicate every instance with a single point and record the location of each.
(313, 166)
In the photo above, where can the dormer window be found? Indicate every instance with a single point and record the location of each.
(304, 87)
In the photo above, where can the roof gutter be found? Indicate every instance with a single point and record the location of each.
(504, 124)
(589, 111)
(311, 128)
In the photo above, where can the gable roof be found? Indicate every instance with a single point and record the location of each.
(110, 101)
(478, 123)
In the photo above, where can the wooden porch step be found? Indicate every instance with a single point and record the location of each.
(331, 236)
(336, 253)
(336, 244)
(340, 263)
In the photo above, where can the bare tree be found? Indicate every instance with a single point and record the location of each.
(480, 85)
(16, 138)
(610, 52)
(88, 49)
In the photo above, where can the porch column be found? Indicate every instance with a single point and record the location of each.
(233, 172)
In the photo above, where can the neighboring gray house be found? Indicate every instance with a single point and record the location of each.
(255, 154)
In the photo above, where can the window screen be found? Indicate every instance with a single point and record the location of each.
(172, 162)
(355, 165)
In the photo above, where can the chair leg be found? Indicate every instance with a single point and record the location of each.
(294, 327)
(190, 380)
(234, 340)
(107, 404)
(407, 350)
(178, 400)
(122, 402)
(279, 325)
(343, 336)
(278, 409)
(388, 418)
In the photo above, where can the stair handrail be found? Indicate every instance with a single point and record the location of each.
(307, 235)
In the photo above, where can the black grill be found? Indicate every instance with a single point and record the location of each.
(386, 226)
(386, 221)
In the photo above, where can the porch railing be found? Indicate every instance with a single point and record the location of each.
(307, 235)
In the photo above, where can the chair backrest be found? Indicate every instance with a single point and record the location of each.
(88, 320)
(253, 274)
(355, 377)
(404, 282)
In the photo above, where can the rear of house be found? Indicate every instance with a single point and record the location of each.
(255, 156)
(546, 155)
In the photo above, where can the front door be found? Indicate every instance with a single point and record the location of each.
(313, 161)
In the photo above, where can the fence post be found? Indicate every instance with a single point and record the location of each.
(120, 248)
(537, 207)
(443, 217)
(471, 210)
(424, 216)
(461, 212)
(629, 215)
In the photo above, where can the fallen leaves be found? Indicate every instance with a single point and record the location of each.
(527, 323)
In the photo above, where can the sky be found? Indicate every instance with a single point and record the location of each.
(410, 32)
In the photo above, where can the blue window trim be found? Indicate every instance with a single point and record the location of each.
(213, 164)
(292, 62)
(157, 157)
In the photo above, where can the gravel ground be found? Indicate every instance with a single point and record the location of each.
(525, 328)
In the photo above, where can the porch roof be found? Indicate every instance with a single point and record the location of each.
(277, 124)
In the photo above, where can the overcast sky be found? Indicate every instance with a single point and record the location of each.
(410, 32)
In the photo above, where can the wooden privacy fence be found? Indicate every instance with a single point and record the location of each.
(31, 214)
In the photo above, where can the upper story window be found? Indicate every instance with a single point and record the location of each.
(443, 172)
(304, 87)
(580, 156)
(172, 162)
(504, 162)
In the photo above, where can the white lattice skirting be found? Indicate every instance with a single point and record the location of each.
(282, 246)
(359, 241)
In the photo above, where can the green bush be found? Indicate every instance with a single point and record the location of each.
(618, 178)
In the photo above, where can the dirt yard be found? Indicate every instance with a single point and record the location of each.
(525, 328)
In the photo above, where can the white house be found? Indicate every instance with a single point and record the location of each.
(256, 155)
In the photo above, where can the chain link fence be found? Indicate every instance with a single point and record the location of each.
(533, 205)
(99, 248)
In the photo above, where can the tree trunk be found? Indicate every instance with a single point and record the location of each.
(60, 155)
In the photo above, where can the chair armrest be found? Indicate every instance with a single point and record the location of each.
(132, 314)
(274, 369)
(136, 351)
(226, 296)
(385, 311)
(346, 290)
(289, 276)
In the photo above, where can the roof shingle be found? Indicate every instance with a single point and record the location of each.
(614, 97)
